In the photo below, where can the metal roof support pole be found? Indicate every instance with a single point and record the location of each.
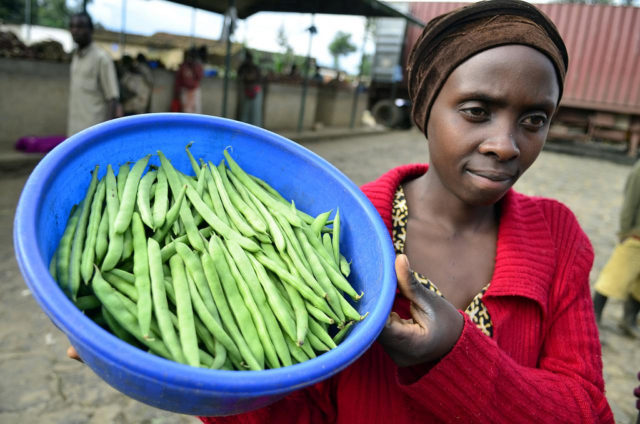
(305, 82)
(123, 29)
(227, 59)
(360, 70)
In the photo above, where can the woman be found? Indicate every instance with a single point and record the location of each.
(494, 321)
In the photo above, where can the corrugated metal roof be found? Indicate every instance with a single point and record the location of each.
(604, 51)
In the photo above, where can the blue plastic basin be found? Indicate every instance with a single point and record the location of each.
(61, 179)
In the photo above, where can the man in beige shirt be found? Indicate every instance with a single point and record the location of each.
(94, 92)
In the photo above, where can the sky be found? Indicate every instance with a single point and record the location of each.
(259, 31)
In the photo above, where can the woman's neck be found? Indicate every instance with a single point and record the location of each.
(433, 203)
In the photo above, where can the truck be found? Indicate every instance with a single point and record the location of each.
(601, 99)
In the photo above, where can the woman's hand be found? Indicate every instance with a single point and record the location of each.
(432, 332)
(73, 354)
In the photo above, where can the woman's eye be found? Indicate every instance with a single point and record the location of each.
(534, 122)
(474, 113)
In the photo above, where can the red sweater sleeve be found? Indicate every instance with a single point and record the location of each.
(482, 383)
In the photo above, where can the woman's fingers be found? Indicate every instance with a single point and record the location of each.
(73, 354)
(420, 296)
(433, 330)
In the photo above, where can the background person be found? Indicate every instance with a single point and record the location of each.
(93, 89)
(187, 83)
(620, 277)
(250, 89)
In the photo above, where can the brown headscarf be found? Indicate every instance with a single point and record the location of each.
(450, 39)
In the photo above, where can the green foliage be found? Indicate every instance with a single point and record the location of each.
(341, 46)
(13, 11)
(51, 13)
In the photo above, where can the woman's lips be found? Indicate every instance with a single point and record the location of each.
(492, 180)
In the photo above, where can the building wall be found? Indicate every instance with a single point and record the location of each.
(35, 94)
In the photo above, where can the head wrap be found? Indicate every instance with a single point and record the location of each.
(450, 39)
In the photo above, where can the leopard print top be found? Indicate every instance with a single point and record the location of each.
(477, 310)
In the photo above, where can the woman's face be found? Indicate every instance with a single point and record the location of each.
(490, 120)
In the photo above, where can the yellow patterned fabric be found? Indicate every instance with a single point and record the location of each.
(476, 310)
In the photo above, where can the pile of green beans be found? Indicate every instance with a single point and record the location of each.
(214, 269)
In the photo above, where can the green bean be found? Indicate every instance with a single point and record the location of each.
(318, 245)
(116, 241)
(296, 351)
(316, 343)
(253, 307)
(299, 310)
(143, 198)
(121, 285)
(336, 236)
(141, 273)
(235, 300)
(125, 275)
(160, 305)
(216, 201)
(293, 246)
(89, 250)
(318, 314)
(308, 349)
(218, 226)
(169, 248)
(192, 160)
(161, 199)
(121, 179)
(175, 183)
(259, 192)
(201, 182)
(114, 304)
(102, 239)
(201, 331)
(219, 333)
(116, 328)
(279, 309)
(77, 245)
(225, 311)
(319, 331)
(274, 229)
(195, 270)
(338, 279)
(129, 192)
(127, 244)
(340, 335)
(184, 311)
(320, 274)
(171, 216)
(288, 278)
(297, 255)
(349, 311)
(232, 211)
(274, 298)
(345, 266)
(87, 302)
(306, 218)
(63, 254)
(253, 218)
(327, 243)
(319, 222)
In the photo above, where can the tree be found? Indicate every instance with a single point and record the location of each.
(340, 46)
(283, 60)
(51, 13)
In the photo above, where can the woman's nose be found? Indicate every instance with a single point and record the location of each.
(501, 143)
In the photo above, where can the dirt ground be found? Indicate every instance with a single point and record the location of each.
(39, 384)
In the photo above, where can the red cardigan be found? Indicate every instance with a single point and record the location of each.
(543, 364)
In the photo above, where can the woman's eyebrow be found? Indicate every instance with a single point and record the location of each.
(483, 96)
